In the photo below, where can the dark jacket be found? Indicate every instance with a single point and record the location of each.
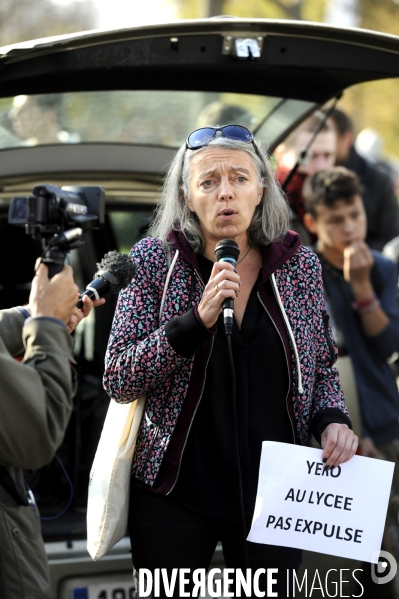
(379, 199)
(166, 355)
(36, 402)
(375, 380)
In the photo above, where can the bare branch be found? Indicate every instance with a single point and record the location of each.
(213, 8)
(24, 20)
(293, 10)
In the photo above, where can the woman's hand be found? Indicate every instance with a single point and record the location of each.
(79, 313)
(339, 444)
(224, 282)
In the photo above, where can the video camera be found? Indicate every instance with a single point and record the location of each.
(58, 217)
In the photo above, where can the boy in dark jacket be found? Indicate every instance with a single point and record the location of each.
(360, 288)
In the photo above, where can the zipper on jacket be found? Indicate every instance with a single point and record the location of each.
(198, 402)
(156, 431)
(160, 418)
(191, 422)
(333, 358)
(288, 366)
(190, 297)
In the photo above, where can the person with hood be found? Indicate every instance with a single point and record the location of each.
(196, 462)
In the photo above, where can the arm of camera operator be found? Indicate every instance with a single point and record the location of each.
(36, 397)
(12, 320)
(75, 317)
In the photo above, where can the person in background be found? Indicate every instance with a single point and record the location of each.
(219, 113)
(35, 406)
(37, 120)
(360, 286)
(185, 486)
(321, 155)
(378, 193)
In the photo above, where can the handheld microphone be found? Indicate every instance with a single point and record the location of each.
(115, 272)
(227, 250)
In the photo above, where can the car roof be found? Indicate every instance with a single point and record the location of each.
(302, 60)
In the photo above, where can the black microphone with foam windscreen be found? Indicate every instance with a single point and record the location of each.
(227, 250)
(114, 273)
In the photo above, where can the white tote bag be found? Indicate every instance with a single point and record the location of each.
(109, 484)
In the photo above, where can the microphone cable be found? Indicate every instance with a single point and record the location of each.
(227, 250)
(32, 501)
(235, 422)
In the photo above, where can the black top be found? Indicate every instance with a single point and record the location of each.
(208, 479)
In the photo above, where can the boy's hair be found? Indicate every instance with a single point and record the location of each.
(327, 187)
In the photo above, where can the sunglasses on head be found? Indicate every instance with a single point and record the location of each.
(201, 137)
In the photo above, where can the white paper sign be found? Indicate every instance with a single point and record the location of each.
(300, 505)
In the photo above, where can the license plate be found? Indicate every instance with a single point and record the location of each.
(115, 589)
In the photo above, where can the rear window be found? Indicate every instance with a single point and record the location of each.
(162, 118)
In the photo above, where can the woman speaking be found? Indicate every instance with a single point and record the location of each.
(212, 398)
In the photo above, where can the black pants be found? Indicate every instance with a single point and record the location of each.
(166, 535)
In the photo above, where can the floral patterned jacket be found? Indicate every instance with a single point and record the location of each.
(145, 352)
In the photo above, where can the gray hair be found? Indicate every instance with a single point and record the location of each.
(271, 217)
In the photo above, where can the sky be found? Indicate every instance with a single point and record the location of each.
(131, 13)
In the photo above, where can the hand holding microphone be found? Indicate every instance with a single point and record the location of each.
(114, 273)
(78, 314)
(223, 286)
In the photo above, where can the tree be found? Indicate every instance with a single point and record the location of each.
(374, 104)
(22, 20)
(213, 8)
(293, 8)
(278, 9)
